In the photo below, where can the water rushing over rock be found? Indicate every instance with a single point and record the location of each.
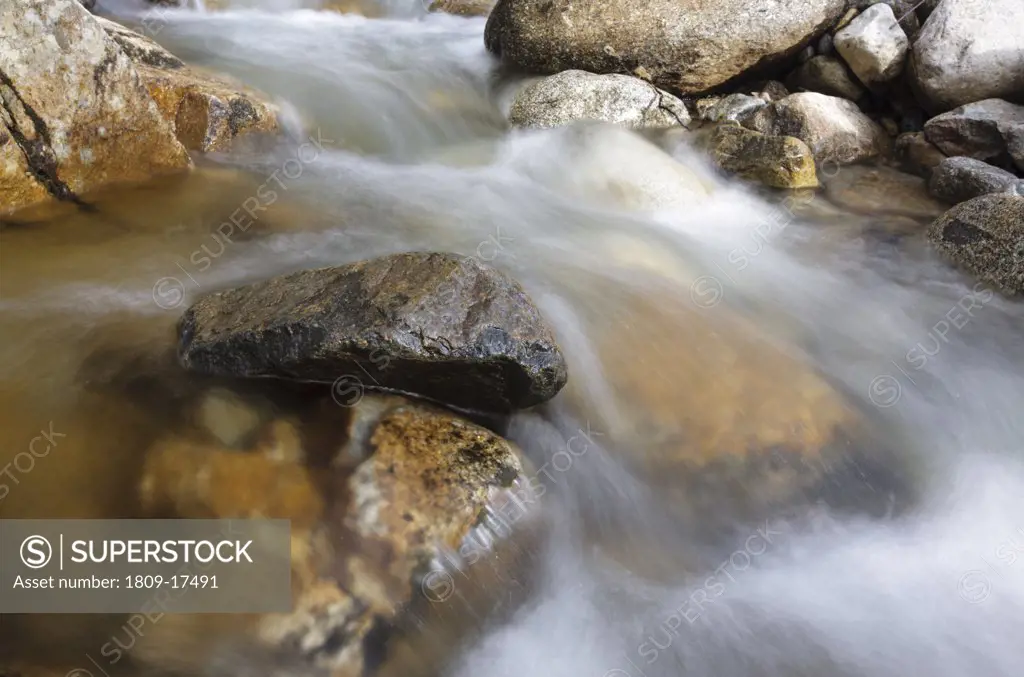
(789, 443)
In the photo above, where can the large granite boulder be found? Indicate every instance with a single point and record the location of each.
(970, 50)
(207, 111)
(986, 237)
(958, 179)
(686, 46)
(874, 45)
(442, 326)
(776, 161)
(75, 115)
(835, 129)
(577, 95)
(990, 130)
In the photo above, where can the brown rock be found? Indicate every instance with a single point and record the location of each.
(200, 480)
(882, 190)
(74, 107)
(719, 419)
(439, 325)
(430, 494)
(208, 111)
(916, 154)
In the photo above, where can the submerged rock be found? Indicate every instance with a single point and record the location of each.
(874, 45)
(577, 95)
(608, 165)
(719, 420)
(776, 161)
(990, 130)
(442, 326)
(970, 50)
(826, 75)
(683, 45)
(958, 179)
(835, 129)
(916, 154)
(985, 236)
(882, 190)
(75, 115)
(376, 546)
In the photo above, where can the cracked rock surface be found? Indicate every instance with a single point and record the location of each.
(438, 325)
(74, 114)
(578, 95)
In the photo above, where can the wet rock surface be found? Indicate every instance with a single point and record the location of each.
(986, 237)
(207, 111)
(990, 130)
(883, 190)
(723, 422)
(735, 107)
(75, 114)
(958, 179)
(683, 45)
(835, 129)
(375, 543)
(577, 95)
(776, 161)
(442, 326)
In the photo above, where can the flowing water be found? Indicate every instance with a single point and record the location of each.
(674, 293)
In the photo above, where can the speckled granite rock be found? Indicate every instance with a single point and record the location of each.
(985, 236)
(958, 179)
(577, 95)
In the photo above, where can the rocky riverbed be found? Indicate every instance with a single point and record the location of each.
(534, 319)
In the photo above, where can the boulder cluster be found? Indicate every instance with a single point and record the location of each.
(789, 91)
(352, 402)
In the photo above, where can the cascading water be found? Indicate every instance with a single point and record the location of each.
(412, 153)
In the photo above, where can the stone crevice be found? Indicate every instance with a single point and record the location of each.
(39, 155)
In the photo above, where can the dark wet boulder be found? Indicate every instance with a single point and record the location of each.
(687, 46)
(958, 179)
(985, 236)
(437, 325)
(990, 130)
